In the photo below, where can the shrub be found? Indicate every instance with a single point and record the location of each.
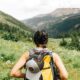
(10, 36)
(75, 43)
(63, 42)
(5, 57)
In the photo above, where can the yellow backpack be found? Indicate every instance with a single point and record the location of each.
(46, 71)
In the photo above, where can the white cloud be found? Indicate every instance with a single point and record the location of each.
(22, 9)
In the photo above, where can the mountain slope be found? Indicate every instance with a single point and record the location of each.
(7, 19)
(51, 17)
(70, 24)
(59, 21)
(11, 26)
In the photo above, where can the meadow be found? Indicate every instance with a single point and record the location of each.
(11, 51)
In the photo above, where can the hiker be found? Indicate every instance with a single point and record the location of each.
(39, 62)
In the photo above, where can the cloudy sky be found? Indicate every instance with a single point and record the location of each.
(24, 9)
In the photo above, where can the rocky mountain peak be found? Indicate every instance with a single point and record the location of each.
(65, 11)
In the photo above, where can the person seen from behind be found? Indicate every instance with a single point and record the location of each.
(39, 68)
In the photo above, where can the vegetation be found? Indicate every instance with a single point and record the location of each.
(60, 21)
(11, 51)
(16, 38)
(63, 42)
(12, 29)
(74, 43)
(65, 26)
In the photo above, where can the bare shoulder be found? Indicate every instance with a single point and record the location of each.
(60, 65)
(25, 55)
(56, 57)
(57, 60)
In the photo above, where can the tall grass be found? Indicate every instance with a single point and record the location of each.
(10, 52)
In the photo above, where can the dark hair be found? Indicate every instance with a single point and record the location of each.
(40, 37)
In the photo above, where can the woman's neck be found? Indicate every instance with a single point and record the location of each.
(42, 46)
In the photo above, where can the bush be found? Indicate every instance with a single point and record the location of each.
(63, 42)
(5, 57)
(75, 43)
(10, 36)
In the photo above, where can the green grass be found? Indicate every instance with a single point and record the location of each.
(10, 52)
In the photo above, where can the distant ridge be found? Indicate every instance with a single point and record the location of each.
(61, 20)
(65, 11)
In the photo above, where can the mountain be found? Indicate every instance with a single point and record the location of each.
(61, 20)
(64, 11)
(9, 26)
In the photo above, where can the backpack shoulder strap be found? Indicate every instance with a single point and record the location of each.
(31, 52)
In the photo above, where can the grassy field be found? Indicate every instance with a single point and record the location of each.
(10, 52)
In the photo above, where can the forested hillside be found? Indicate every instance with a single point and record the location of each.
(13, 29)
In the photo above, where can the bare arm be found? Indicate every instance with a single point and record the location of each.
(62, 70)
(16, 71)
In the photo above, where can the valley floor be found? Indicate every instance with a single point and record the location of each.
(11, 51)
